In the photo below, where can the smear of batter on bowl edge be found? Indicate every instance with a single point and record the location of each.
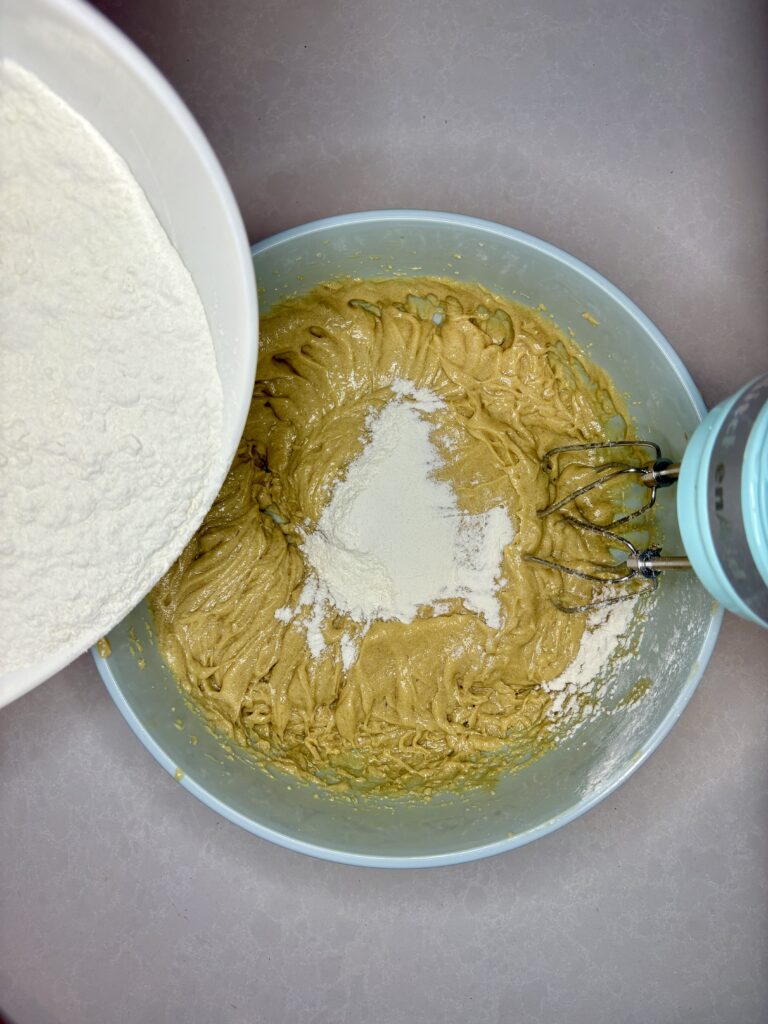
(351, 689)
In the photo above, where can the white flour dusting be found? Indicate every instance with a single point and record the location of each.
(392, 538)
(111, 411)
(349, 648)
(584, 676)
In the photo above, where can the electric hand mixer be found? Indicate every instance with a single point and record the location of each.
(722, 508)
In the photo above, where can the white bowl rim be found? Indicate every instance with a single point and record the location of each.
(342, 856)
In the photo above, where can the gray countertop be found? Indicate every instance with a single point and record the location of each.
(632, 134)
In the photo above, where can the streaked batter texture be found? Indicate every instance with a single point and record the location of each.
(445, 699)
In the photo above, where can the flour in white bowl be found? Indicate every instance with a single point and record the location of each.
(110, 402)
(392, 538)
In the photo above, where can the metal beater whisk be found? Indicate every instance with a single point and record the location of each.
(645, 564)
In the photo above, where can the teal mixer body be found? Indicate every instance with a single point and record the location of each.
(722, 502)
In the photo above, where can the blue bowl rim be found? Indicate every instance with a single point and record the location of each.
(341, 856)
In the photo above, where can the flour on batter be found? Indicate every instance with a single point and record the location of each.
(392, 539)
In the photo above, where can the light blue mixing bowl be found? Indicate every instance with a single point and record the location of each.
(682, 619)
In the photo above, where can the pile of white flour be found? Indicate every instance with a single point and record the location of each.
(111, 410)
(392, 538)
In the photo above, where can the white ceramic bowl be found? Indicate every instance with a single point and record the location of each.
(103, 76)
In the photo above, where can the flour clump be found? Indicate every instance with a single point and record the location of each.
(392, 538)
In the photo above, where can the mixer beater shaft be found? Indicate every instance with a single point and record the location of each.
(646, 564)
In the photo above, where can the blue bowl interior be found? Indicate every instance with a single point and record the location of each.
(681, 618)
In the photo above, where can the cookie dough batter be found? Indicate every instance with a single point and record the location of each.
(442, 700)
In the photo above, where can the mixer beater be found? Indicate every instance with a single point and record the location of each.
(722, 507)
(646, 563)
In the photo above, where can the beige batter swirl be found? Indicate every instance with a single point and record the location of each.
(445, 699)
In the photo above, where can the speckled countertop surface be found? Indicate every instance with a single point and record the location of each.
(632, 134)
